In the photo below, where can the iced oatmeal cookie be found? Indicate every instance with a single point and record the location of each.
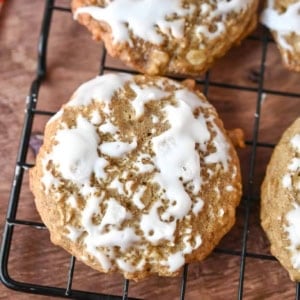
(283, 19)
(136, 175)
(280, 203)
(169, 36)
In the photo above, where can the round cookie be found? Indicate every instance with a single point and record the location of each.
(283, 19)
(136, 175)
(280, 201)
(169, 36)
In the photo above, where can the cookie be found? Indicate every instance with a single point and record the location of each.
(136, 175)
(283, 19)
(280, 201)
(170, 36)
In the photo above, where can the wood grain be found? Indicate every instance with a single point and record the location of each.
(74, 58)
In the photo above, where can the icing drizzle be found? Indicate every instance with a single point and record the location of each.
(218, 15)
(283, 23)
(80, 153)
(143, 17)
(293, 216)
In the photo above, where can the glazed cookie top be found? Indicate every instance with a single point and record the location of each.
(291, 182)
(280, 206)
(284, 18)
(170, 36)
(130, 162)
(152, 20)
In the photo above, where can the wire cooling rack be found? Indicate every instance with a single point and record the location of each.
(22, 166)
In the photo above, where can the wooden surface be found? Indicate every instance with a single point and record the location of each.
(74, 58)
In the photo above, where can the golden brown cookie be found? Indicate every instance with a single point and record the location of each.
(136, 175)
(283, 19)
(280, 201)
(169, 36)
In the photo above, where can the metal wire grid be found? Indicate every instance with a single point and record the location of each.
(22, 166)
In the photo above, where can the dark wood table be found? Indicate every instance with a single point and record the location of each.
(74, 58)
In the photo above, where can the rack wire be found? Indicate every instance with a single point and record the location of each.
(22, 166)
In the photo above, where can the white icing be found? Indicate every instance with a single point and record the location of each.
(74, 233)
(198, 205)
(141, 18)
(188, 248)
(116, 184)
(294, 165)
(92, 206)
(48, 179)
(75, 153)
(293, 230)
(154, 228)
(210, 172)
(99, 89)
(205, 8)
(121, 238)
(283, 23)
(226, 7)
(176, 157)
(117, 148)
(83, 258)
(287, 181)
(177, 29)
(108, 127)
(87, 190)
(175, 261)
(100, 164)
(296, 139)
(155, 119)
(191, 99)
(218, 15)
(128, 186)
(101, 257)
(96, 118)
(204, 30)
(221, 153)
(229, 188)
(221, 212)
(143, 167)
(293, 216)
(71, 200)
(144, 95)
(188, 230)
(115, 214)
(136, 199)
(125, 266)
(174, 161)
